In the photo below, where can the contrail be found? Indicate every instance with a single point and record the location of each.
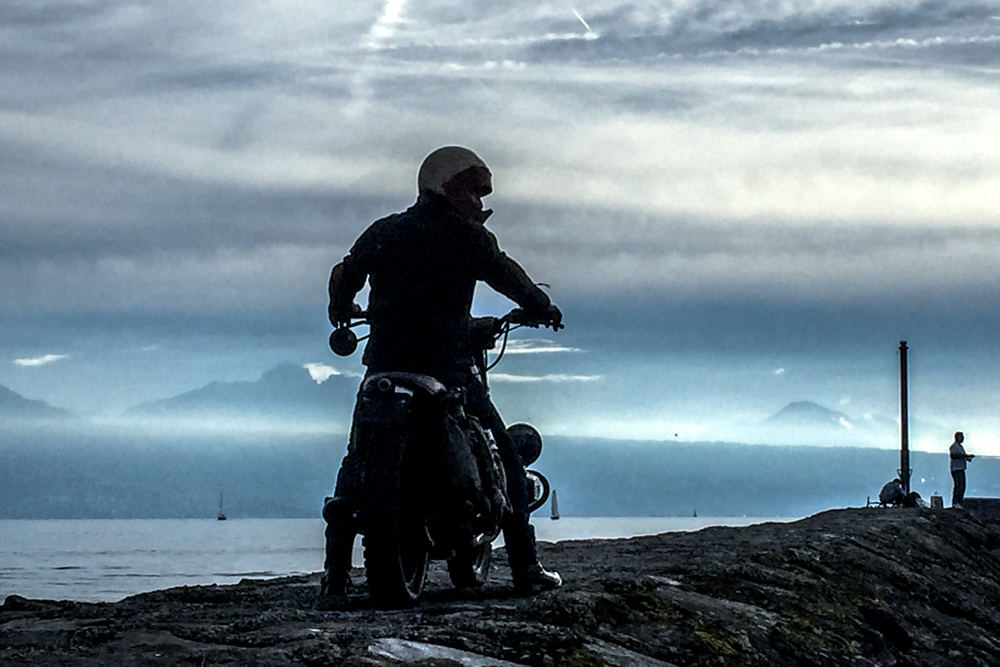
(582, 21)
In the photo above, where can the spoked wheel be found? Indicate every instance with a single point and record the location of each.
(396, 544)
(470, 566)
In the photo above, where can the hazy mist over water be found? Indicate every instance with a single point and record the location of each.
(271, 475)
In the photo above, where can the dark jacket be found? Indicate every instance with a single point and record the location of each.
(423, 265)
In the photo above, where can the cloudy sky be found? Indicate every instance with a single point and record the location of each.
(737, 204)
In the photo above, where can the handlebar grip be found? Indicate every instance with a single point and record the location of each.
(520, 316)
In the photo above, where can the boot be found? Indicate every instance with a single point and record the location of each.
(528, 574)
(534, 579)
(340, 534)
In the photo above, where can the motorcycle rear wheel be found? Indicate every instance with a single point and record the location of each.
(396, 542)
(470, 566)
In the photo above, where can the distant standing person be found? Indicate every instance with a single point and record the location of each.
(959, 461)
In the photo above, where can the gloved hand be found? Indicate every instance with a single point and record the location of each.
(554, 316)
(340, 318)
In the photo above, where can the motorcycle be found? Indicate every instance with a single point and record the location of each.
(433, 486)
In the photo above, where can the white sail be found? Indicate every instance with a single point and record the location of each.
(555, 506)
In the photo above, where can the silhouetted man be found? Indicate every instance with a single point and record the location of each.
(422, 266)
(959, 461)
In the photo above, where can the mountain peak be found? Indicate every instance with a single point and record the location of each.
(15, 406)
(286, 392)
(286, 373)
(802, 413)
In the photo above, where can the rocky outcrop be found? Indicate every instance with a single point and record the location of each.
(860, 587)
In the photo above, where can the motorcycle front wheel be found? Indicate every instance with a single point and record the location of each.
(396, 542)
(470, 566)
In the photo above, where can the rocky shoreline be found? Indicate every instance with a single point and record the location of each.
(898, 587)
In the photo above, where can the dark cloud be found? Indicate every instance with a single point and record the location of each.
(648, 324)
(151, 217)
(592, 232)
(222, 76)
(47, 13)
(58, 328)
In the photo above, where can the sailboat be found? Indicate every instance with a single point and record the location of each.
(222, 515)
(555, 506)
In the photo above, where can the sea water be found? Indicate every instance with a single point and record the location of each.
(107, 560)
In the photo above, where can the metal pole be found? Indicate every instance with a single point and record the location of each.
(904, 427)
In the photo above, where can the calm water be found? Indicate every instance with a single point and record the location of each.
(107, 560)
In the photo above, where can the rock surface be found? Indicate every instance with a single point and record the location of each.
(903, 587)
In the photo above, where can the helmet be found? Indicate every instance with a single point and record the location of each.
(444, 164)
(527, 442)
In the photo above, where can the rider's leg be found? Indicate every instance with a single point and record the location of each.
(340, 534)
(338, 512)
(518, 533)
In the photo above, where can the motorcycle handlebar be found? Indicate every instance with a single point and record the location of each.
(520, 317)
(517, 316)
(344, 342)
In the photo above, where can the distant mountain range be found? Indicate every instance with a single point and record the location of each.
(286, 392)
(16, 407)
(287, 395)
(289, 390)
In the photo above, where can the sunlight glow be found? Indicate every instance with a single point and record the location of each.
(982, 444)
(385, 26)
